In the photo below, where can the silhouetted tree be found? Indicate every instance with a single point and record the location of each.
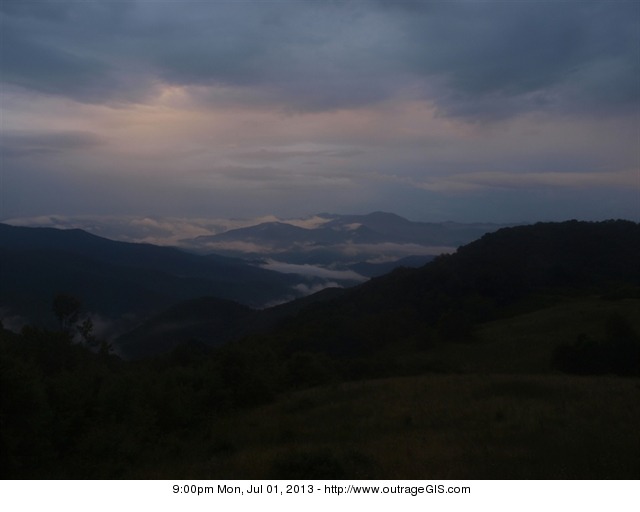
(67, 310)
(86, 331)
(618, 352)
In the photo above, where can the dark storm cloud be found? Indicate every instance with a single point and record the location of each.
(47, 69)
(501, 57)
(304, 56)
(71, 49)
(472, 59)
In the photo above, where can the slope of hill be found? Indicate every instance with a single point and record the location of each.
(379, 269)
(207, 322)
(118, 278)
(462, 369)
(513, 270)
(370, 244)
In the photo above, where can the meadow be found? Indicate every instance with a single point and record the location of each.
(428, 427)
(495, 407)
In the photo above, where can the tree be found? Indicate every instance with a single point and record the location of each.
(67, 310)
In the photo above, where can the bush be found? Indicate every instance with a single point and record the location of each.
(617, 353)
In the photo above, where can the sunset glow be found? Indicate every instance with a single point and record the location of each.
(458, 110)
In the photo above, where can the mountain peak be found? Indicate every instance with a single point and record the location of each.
(385, 216)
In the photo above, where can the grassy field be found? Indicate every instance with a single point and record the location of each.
(494, 408)
(524, 343)
(444, 427)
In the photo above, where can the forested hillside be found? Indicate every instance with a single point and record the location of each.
(516, 357)
(116, 279)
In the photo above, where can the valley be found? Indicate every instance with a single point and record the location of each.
(517, 356)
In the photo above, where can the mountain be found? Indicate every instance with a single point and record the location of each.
(512, 270)
(194, 232)
(368, 245)
(118, 278)
(392, 228)
(378, 269)
(516, 357)
(274, 235)
(342, 238)
(207, 322)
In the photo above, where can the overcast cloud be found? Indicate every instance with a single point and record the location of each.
(429, 109)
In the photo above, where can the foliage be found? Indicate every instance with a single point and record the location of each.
(298, 401)
(617, 353)
(67, 412)
(67, 310)
(501, 274)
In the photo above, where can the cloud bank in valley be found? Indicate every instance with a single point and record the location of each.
(314, 271)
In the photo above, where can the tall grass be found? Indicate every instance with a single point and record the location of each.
(440, 427)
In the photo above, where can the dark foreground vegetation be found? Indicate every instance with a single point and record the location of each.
(517, 357)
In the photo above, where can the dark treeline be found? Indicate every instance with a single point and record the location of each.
(513, 270)
(67, 412)
(69, 408)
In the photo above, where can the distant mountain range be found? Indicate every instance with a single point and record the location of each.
(320, 229)
(256, 265)
(347, 239)
(520, 352)
(115, 279)
(209, 322)
(513, 269)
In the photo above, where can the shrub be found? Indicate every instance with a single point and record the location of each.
(617, 353)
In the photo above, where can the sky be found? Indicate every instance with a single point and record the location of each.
(496, 111)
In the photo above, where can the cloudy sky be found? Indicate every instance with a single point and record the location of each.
(453, 110)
